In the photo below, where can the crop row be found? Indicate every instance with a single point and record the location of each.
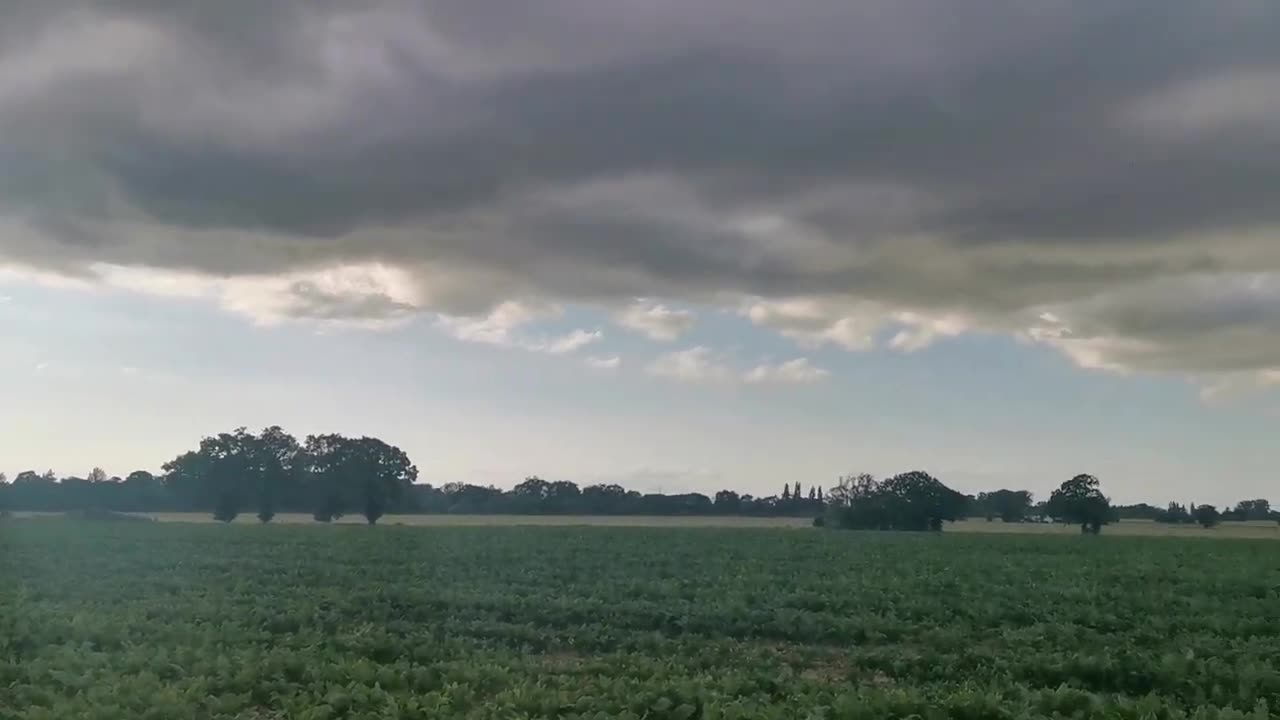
(159, 620)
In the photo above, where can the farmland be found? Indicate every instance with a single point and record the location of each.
(159, 620)
(1251, 529)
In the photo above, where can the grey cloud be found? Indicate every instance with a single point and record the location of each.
(1106, 160)
(1201, 324)
(321, 304)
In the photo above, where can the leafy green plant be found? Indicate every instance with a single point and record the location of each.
(157, 620)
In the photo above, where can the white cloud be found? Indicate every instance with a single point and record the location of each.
(919, 331)
(367, 294)
(702, 365)
(609, 362)
(811, 323)
(853, 325)
(499, 326)
(655, 320)
(571, 342)
(792, 372)
(27, 275)
(695, 365)
(503, 327)
(1221, 330)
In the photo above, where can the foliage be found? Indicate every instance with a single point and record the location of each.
(909, 501)
(226, 508)
(156, 620)
(1080, 501)
(1010, 506)
(1140, 511)
(1206, 515)
(362, 472)
(1176, 513)
(1259, 509)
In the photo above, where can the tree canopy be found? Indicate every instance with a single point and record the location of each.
(327, 474)
(910, 501)
(1080, 501)
(1206, 515)
(1011, 506)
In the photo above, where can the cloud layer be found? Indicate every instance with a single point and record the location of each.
(701, 364)
(655, 320)
(869, 174)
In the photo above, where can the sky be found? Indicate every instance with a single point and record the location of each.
(681, 246)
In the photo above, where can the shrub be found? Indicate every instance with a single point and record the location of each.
(226, 509)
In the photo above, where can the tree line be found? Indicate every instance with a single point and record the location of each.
(239, 471)
(918, 501)
(1206, 515)
(1018, 506)
(331, 475)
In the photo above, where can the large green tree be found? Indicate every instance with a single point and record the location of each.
(231, 476)
(365, 472)
(230, 470)
(909, 501)
(275, 470)
(1080, 501)
(1206, 515)
(607, 498)
(918, 501)
(186, 479)
(530, 495)
(1011, 506)
(145, 491)
(32, 491)
(326, 491)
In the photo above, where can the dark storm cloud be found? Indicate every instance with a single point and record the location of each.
(989, 161)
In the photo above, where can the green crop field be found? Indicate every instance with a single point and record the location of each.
(172, 620)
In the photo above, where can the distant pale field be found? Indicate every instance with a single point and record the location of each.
(1260, 529)
(482, 520)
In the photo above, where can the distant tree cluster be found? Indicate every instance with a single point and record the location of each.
(1251, 510)
(1258, 510)
(1190, 514)
(239, 471)
(1011, 506)
(535, 496)
(919, 501)
(328, 476)
(909, 501)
